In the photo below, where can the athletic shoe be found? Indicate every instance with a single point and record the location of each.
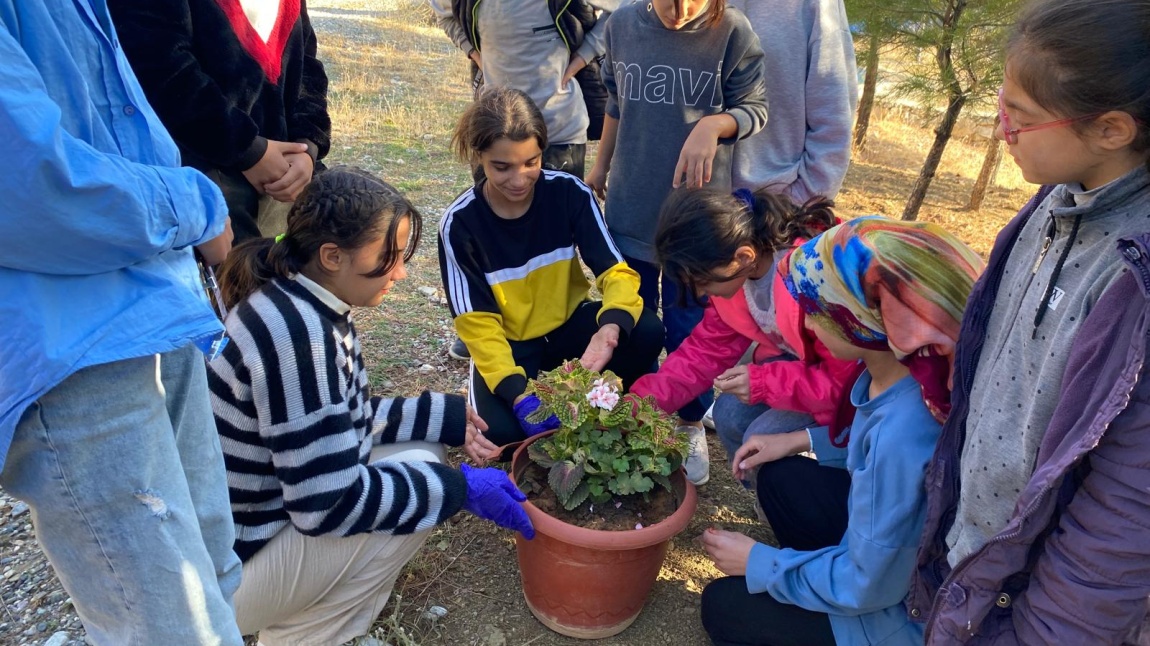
(458, 350)
(698, 463)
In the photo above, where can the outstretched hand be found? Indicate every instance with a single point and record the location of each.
(729, 550)
(601, 348)
(736, 381)
(697, 156)
(759, 449)
(477, 446)
(492, 496)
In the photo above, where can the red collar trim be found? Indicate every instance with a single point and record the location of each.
(269, 55)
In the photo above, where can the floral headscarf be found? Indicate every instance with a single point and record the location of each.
(889, 285)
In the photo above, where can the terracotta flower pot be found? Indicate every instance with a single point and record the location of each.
(588, 583)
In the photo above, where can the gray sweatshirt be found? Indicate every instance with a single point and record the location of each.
(1019, 377)
(522, 49)
(660, 82)
(812, 85)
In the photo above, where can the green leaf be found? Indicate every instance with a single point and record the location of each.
(662, 480)
(641, 483)
(577, 497)
(537, 451)
(621, 465)
(621, 485)
(564, 478)
(599, 493)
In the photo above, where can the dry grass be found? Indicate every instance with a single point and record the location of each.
(397, 88)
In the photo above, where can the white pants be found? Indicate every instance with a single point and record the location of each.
(326, 590)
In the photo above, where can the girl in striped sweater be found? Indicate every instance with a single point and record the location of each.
(332, 489)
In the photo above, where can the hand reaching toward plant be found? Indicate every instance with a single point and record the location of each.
(736, 381)
(729, 550)
(768, 448)
(477, 446)
(492, 496)
(527, 405)
(601, 348)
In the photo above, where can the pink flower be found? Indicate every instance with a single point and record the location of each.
(603, 395)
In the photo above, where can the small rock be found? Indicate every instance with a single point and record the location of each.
(435, 613)
(496, 637)
(427, 291)
(41, 627)
(19, 509)
(57, 639)
(426, 368)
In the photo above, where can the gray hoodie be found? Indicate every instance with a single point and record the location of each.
(812, 84)
(660, 82)
(522, 49)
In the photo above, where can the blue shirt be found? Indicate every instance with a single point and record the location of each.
(97, 218)
(861, 582)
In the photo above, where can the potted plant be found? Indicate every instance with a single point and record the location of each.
(615, 459)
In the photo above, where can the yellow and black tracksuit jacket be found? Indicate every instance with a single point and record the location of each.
(520, 279)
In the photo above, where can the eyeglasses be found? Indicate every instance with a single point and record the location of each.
(1011, 134)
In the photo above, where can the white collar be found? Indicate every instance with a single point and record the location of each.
(321, 292)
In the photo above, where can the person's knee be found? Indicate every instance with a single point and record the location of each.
(716, 607)
(779, 476)
(728, 415)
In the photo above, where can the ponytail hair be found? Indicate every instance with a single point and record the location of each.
(345, 206)
(700, 230)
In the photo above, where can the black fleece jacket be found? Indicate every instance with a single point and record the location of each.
(221, 90)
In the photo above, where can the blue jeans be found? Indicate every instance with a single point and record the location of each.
(736, 421)
(678, 321)
(121, 467)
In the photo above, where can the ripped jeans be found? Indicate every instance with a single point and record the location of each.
(121, 467)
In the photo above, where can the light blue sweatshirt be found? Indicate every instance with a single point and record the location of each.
(861, 582)
(98, 218)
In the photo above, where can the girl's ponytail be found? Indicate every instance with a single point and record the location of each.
(245, 270)
(779, 222)
(253, 263)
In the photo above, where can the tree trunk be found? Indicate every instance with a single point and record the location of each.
(990, 165)
(866, 101)
(930, 166)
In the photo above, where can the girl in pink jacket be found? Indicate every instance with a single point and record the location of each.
(723, 246)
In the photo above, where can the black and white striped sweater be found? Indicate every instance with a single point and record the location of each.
(297, 423)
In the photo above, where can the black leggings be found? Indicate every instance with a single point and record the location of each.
(806, 506)
(632, 359)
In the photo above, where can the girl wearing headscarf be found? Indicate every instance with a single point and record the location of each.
(890, 295)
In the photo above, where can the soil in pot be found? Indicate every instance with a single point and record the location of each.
(628, 512)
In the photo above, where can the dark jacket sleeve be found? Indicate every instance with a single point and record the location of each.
(157, 39)
(308, 119)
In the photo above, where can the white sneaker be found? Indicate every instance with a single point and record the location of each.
(709, 417)
(698, 463)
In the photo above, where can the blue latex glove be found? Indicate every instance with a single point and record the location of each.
(492, 496)
(524, 408)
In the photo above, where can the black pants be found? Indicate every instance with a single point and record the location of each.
(569, 158)
(806, 506)
(243, 202)
(631, 360)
